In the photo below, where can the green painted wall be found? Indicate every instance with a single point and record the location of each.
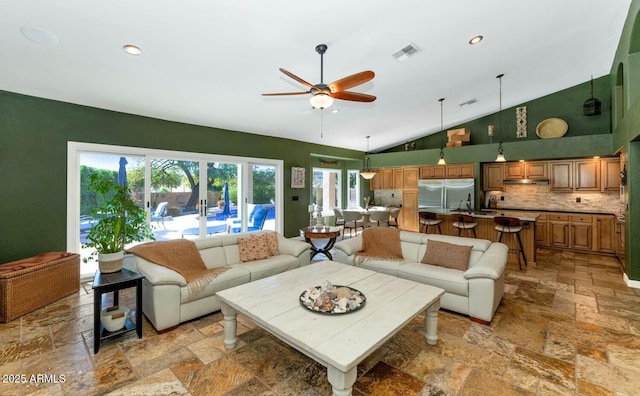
(565, 104)
(33, 156)
(625, 86)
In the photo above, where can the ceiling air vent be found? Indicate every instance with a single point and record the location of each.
(406, 52)
(468, 102)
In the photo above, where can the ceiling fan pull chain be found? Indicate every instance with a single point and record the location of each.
(321, 123)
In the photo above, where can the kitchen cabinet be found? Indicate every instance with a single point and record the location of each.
(605, 240)
(536, 170)
(387, 179)
(492, 176)
(587, 175)
(433, 172)
(409, 212)
(581, 232)
(561, 176)
(460, 171)
(558, 230)
(610, 174)
(619, 237)
(398, 179)
(542, 230)
(514, 170)
(410, 178)
(376, 182)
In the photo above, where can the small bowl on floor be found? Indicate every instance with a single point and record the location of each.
(114, 318)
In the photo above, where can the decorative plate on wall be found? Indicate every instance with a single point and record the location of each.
(552, 128)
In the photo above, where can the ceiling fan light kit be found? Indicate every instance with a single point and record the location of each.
(322, 95)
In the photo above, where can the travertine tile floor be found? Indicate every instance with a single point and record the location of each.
(567, 325)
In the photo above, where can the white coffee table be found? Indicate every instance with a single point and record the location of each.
(339, 342)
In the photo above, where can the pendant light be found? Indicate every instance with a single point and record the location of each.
(441, 161)
(367, 173)
(591, 106)
(500, 157)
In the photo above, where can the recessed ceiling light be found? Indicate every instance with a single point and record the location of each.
(475, 40)
(335, 110)
(132, 49)
(39, 36)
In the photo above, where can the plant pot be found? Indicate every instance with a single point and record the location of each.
(110, 262)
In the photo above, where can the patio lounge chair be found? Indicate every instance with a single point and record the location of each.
(257, 218)
(160, 213)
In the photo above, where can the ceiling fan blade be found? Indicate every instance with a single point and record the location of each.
(298, 79)
(351, 81)
(285, 93)
(353, 96)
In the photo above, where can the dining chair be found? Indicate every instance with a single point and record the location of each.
(339, 216)
(352, 221)
(393, 217)
(379, 218)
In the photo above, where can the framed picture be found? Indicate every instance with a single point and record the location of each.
(297, 177)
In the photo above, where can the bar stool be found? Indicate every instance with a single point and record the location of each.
(429, 219)
(512, 226)
(465, 222)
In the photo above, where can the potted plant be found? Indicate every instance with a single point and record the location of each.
(121, 222)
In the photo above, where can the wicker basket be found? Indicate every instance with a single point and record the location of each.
(30, 284)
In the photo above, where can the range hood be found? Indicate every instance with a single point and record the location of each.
(525, 181)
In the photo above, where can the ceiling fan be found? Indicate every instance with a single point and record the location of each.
(322, 94)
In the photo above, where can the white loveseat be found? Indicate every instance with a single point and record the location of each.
(166, 301)
(476, 292)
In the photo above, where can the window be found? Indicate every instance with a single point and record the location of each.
(353, 191)
(326, 188)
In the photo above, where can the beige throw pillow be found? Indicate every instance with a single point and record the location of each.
(253, 247)
(272, 243)
(447, 255)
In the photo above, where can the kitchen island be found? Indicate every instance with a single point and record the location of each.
(486, 229)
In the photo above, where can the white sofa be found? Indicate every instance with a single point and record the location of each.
(166, 301)
(476, 292)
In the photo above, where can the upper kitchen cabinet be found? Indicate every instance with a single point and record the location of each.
(536, 170)
(587, 175)
(398, 182)
(492, 176)
(410, 178)
(433, 172)
(376, 182)
(561, 175)
(460, 171)
(526, 170)
(610, 173)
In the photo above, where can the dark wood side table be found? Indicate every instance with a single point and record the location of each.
(114, 282)
(330, 233)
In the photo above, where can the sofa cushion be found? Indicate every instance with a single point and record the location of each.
(253, 247)
(451, 280)
(448, 255)
(271, 266)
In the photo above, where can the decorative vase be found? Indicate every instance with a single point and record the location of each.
(110, 262)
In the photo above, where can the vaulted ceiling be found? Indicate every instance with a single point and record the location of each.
(207, 62)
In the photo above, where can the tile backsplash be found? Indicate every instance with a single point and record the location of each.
(538, 197)
(388, 197)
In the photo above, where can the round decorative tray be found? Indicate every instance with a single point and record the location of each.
(331, 299)
(552, 128)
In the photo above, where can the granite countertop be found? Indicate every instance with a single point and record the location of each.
(522, 215)
(581, 211)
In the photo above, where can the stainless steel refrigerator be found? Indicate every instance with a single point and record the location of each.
(446, 193)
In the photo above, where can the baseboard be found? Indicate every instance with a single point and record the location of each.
(631, 283)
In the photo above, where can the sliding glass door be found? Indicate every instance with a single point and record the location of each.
(186, 195)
